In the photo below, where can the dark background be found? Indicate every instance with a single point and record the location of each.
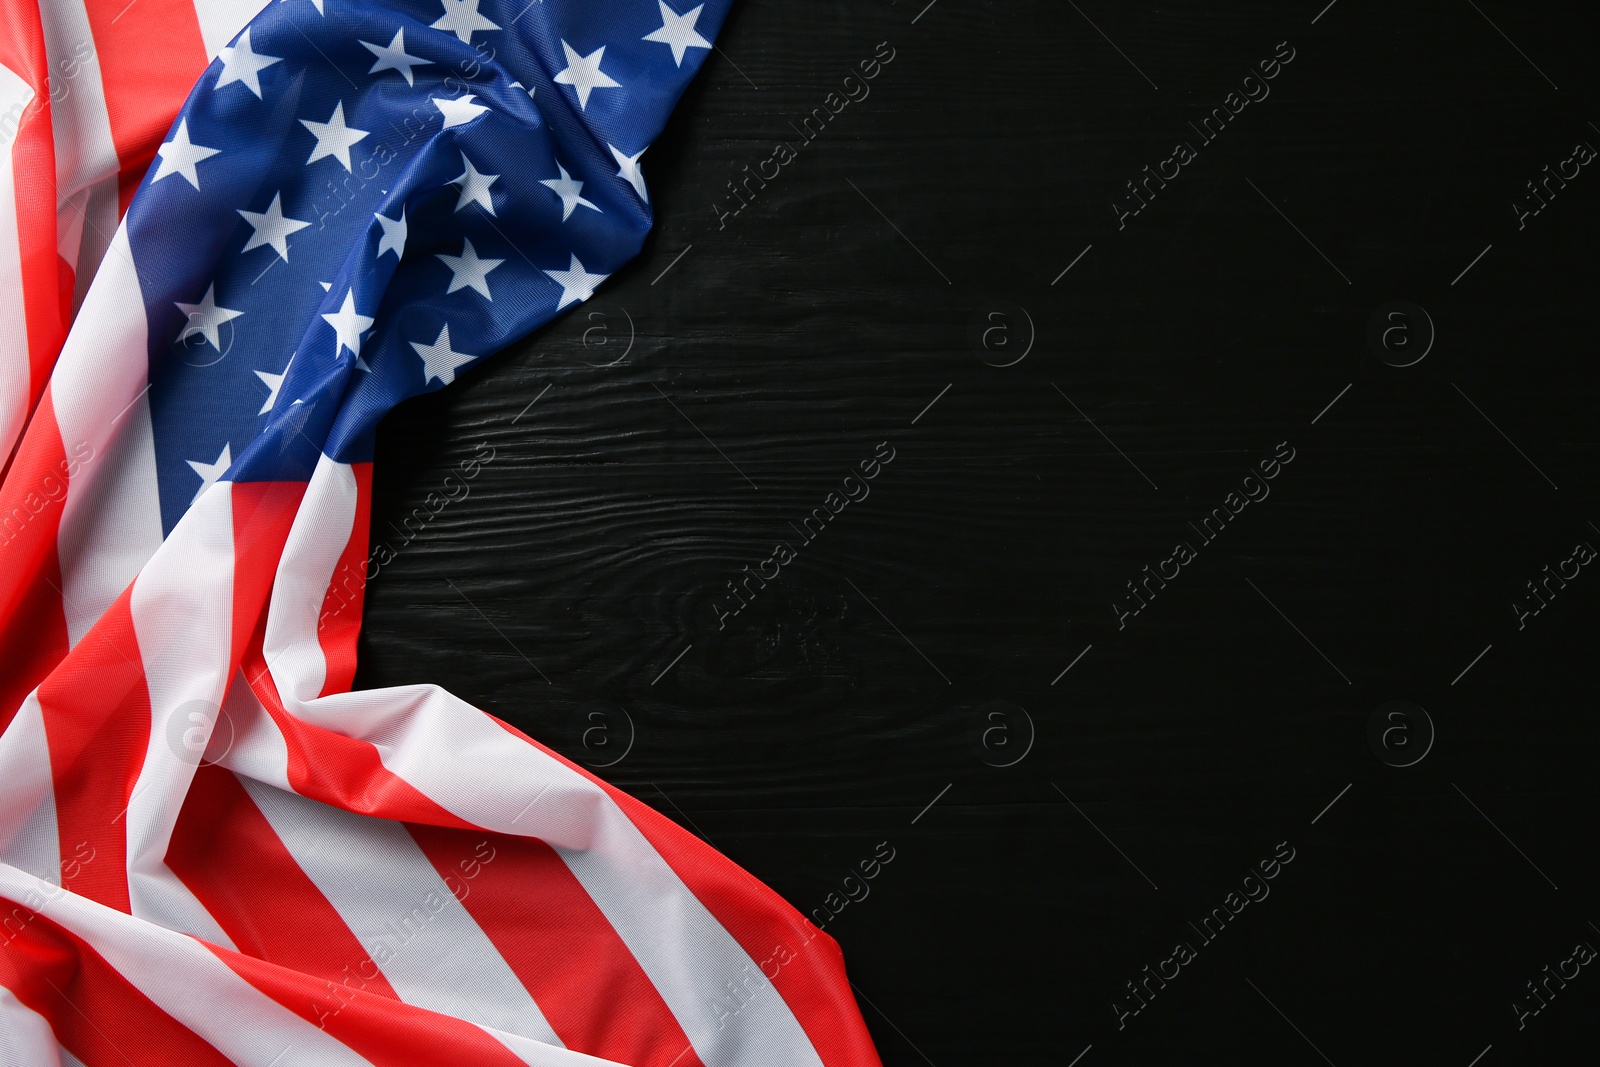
(919, 642)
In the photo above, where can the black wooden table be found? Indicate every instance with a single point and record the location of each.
(1135, 467)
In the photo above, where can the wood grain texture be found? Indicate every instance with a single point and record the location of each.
(698, 408)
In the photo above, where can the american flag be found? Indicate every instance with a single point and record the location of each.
(211, 849)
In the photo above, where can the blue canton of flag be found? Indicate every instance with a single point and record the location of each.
(359, 200)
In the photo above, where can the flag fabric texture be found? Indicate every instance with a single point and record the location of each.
(211, 849)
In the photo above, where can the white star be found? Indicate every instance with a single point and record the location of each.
(468, 271)
(179, 155)
(569, 190)
(210, 472)
(273, 382)
(334, 138)
(438, 361)
(243, 64)
(628, 169)
(678, 31)
(461, 17)
(460, 111)
(271, 228)
(474, 186)
(205, 317)
(394, 235)
(583, 73)
(576, 283)
(393, 57)
(348, 326)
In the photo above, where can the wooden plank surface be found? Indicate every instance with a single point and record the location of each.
(1102, 780)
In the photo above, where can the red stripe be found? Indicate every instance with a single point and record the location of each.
(803, 964)
(227, 853)
(96, 1013)
(33, 164)
(321, 765)
(46, 302)
(339, 624)
(150, 54)
(96, 708)
(33, 626)
(22, 40)
(380, 1030)
(560, 945)
(263, 513)
(343, 771)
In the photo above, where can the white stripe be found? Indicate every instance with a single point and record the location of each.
(182, 610)
(111, 522)
(258, 750)
(316, 540)
(97, 224)
(85, 152)
(15, 376)
(221, 20)
(69, 226)
(26, 1039)
(459, 758)
(428, 946)
(86, 156)
(190, 984)
(28, 831)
